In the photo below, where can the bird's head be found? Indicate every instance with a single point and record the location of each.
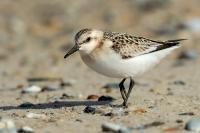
(86, 40)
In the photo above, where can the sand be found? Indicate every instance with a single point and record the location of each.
(35, 35)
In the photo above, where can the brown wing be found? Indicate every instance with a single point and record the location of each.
(130, 46)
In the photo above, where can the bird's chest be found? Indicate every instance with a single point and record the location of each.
(105, 63)
(96, 57)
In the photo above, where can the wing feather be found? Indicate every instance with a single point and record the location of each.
(129, 46)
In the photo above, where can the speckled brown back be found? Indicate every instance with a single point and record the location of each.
(130, 46)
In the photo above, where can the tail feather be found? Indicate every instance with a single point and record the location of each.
(175, 42)
(168, 44)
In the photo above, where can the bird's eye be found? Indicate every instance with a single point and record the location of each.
(88, 39)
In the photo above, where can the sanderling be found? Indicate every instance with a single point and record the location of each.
(120, 55)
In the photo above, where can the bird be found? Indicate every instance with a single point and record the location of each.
(120, 55)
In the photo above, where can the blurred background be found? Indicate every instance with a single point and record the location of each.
(35, 35)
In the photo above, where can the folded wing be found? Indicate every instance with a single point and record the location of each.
(130, 46)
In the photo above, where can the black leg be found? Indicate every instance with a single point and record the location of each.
(129, 91)
(122, 89)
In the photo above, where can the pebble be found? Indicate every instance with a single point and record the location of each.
(106, 98)
(111, 85)
(188, 55)
(51, 88)
(50, 83)
(79, 120)
(66, 96)
(26, 105)
(92, 97)
(67, 83)
(156, 90)
(187, 113)
(179, 121)
(35, 115)
(25, 129)
(193, 125)
(179, 82)
(32, 89)
(7, 126)
(114, 128)
(89, 109)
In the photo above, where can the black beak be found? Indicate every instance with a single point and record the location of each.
(73, 50)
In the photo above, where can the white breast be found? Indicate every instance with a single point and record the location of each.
(111, 64)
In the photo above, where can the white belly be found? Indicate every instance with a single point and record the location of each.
(112, 65)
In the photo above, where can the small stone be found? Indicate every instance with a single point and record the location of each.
(114, 128)
(79, 120)
(68, 82)
(187, 113)
(89, 109)
(109, 90)
(7, 126)
(66, 96)
(106, 98)
(19, 86)
(92, 97)
(80, 96)
(188, 55)
(179, 121)
(156, 90)
(63, 84)
(32, 89)
(25, 129)
(193, 125)
(179, 82)
(111, 85)
(154, 124)
(26, 105)
(35, 115)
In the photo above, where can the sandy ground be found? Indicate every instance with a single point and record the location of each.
(35, 35)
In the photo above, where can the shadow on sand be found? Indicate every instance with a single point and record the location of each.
(55, 105)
